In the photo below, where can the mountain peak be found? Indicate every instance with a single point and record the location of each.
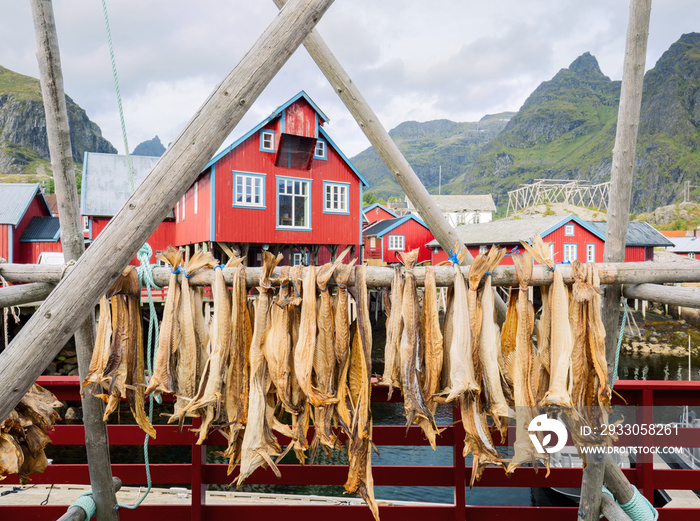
(152, 147)
(586, 64)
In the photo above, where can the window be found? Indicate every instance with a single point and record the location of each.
(373, 242)
(477, 218)
(293, 203)
(300, 258)
(569, 230)
(569, 252)
(483, 249)
(397, 242)
(691, 255)
(182, 207)
(590, 252)
(196, 197)
(86, 223)
(249, 190)
(177, 212)
(320, 150)
(551, 250)
(335, 198)
(267, 141)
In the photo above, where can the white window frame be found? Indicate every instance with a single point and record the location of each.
(373, 242)
(289, 188)
(300, 258)
(321, 149)
(569, 230)
(177, 211)
(253, 183)
(570, 252)
(267, 140)
(483, 249)
(182, 207)
(590, 252)
(477, 217)
(396, 242)
(196, 197)
(333, 204)
(86, 223)
(691, 255)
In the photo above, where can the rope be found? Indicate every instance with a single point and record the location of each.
(119, 96)
(145, 272)
(453, 258)
(638, 508)
(85, 502)
(619, 340)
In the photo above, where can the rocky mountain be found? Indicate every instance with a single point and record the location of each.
(429, 147)
(24, 149)
(152, 148)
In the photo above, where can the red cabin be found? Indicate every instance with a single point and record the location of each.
(376, 212)
(384, 239)
(572, 238)
(42, 235)
(19, 204)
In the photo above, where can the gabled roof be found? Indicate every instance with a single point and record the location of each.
(685, 244)
(105, 186)
(278, 113)
(462, 203)
(42, 229)
(372, 206)
(382, 227)
(15, 199)
(512, 231)
(638, 234)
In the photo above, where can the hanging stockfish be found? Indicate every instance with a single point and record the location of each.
(201, 328)
(277, 343)
(324, 363)
(562, 343)
(447, 330)
(238, 375)
(582, 293)
(489, 348)
(394, 329)
(306, 343)
(188, 356)
(541, 251)
(506, 360)
(341, 316)
(211, 386)
(477, 438)
(354, 401)
(415, 408)
(259, 443)
(477, 270)
(524, 450)
(100, 353)
(431, 340)
(596, 344)
(163, 378)
(461, 362)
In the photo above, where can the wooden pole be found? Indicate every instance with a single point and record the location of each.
(687, 297)
(53, 323)
(621, 177)
(73, 243)
(24, 294)
(591, 488)
(78, 514)
(348, 92)
(629, 273)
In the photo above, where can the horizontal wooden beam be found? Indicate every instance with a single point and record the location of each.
(632, 273)
(687, 297)
(24, 293)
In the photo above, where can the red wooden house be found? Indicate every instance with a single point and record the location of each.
(42, 235)
(377, 212)
(283, 186)
(572, 238)
(384, 239)
(19, 204)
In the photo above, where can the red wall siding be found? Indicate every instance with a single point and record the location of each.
(5, 242)
(377, 214)
(300, 120)
(581, 238)
(195, 227)
(636, 254)
(372, 253)
(417, 236)
(159, 240)
(36, 209)
(255, 225)
(29, 251)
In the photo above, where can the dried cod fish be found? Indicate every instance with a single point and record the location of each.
(341, 317)
(188, 356)
(394, 329)
(477, 438)
(259, 443)
(415, 408)
(163, 378)
(477, 270)
(238, 376)
(100, 352)
(489, 349)
(431, 340)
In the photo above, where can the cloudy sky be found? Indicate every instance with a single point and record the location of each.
(412, 59)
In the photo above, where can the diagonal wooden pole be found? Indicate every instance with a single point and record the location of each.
(73, 243)
(348, 92)
(55, 321)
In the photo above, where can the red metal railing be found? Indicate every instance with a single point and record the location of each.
(198, 473)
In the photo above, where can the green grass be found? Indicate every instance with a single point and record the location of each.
(24, 87)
